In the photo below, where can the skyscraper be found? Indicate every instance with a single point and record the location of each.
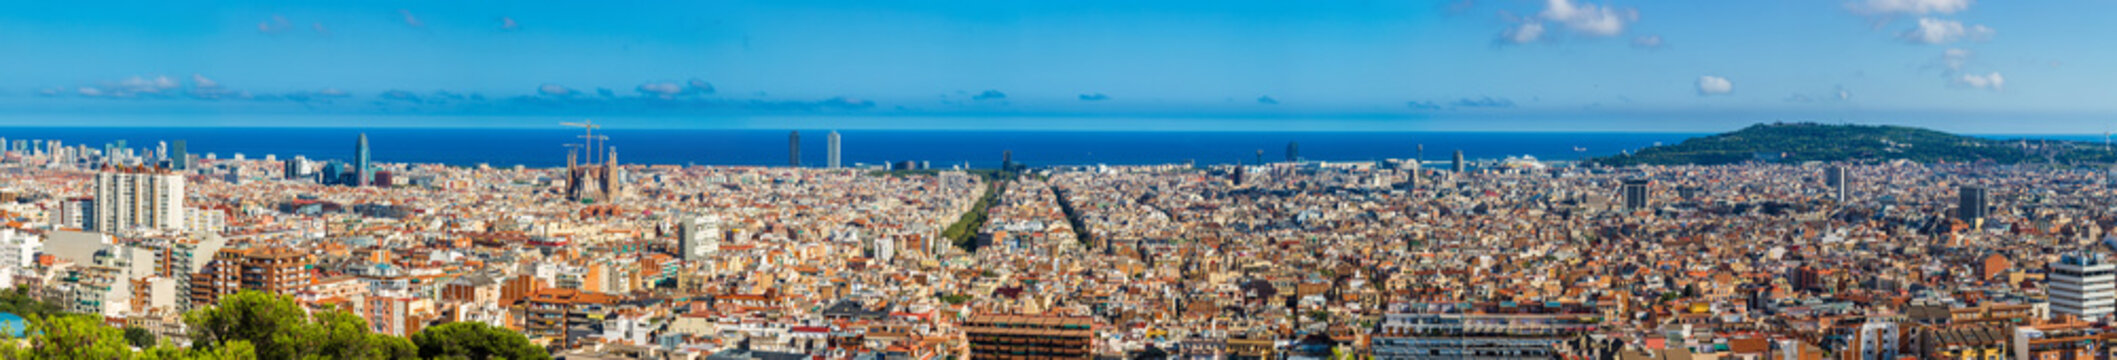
(831, 150)
(2081, 284)
(1835, 177)
(794, 148)
(137, 197)
(1412, 175)
(1970, 203)
(333, 173)
(1006, 159)
(296, 167)
(1635, 193)
(1293, 151)
(1459, 164)
(363, 172)
(179, 158)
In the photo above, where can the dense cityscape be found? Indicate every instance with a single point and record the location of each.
(1280, 259)
(1046, 180)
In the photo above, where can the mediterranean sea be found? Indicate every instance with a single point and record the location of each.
(940, 148)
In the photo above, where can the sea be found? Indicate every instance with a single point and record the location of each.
(939, 148)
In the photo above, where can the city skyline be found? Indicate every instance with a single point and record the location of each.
(1975, 67)
(1092, 179)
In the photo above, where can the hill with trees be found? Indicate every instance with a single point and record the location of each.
(1797, 142)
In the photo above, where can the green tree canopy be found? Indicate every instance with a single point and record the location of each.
(279, 328)
(139, 338)
(18, 301)
(475, 341)
(70, 337)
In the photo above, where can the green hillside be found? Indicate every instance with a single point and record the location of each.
(1796, 142)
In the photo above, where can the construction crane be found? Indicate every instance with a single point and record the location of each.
(592, 149)
(588, 133)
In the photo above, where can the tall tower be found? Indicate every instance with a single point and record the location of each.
(1006, 159)
(610, 176)
(1459, 164)
(831, 153)
(1835, 177)
(179, 160)
(137, 197)
(1970, 203)
(363, 172)
(1635, 193)
(1293, 151)
(1414, 174)
(794, 149)
(295, 167)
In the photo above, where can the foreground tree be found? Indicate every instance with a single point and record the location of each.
(20, 302)
(278, 328)
(69, 337)
(139, 338)
(85, 337)
(475, 341)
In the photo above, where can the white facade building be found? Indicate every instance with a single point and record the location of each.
(18, 250)
(138, 198)
(2083, 285)
(698, 238)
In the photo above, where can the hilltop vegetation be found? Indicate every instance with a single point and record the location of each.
(1796, 142)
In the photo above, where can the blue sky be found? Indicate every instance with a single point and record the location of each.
(1518, 65)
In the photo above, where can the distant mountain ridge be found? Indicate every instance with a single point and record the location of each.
(1797, 142)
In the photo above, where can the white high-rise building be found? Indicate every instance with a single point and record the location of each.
(832, 140)
(205, 220)
(18, 250)
(75, 213)
(697, 237)
(138, 198)
(2083, 285)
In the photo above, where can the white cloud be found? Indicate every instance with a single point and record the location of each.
(1714, 85)
(554, 90)
(202, 82)
(663, 89)
(1588, 18)
(1916, 7)
(1989, 81)
(1941, 31)
(1647, 42)
(1523, 34)
(1954, 59)
(1836, 95)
